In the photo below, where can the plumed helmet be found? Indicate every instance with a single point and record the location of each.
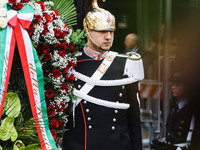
(99, 19)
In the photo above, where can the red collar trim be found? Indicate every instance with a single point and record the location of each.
(94, 54)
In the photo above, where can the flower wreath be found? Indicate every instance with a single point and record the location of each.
(56, 46)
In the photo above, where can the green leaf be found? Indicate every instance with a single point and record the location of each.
(31, 147)
(67, 11)
(18, 144)
(7, 130)
(12, 105)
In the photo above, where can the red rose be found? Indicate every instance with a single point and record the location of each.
(55, 14)
(66, 69)
(56, 45)
(62, 53)
(50, 111)
(61, 107)
(66, 26)
(73, 64)
(66, 111)
(64, 86)
(57, 32)
(62, 35)
(69, 78)
(54, 123)
(44, 48)
(17, 6)
(45, 73)
(46, 57)
(38, 18)
(63, 45)
(49, 93)
(31, 30)
(12, 1)
(45, 29)
(71, 47)
(53, 134)
(47, 17)
(56, 73)
(42, 5)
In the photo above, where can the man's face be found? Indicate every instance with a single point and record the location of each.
(130, 41)
(102, 38)
(177, 89)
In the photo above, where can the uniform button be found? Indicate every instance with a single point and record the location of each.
(117, 101)
(168, 134)
(114, 119)
(85, 102)
(180, 128)
(79, 86)
(87, 110)
(123, 87)
(75, 79)
(120, 95)
(179, 133)
(169, 143)
(89, 118)
(116, 111)
(113, 128)
(89, 127)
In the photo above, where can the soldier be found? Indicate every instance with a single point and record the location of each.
(107, 115)
(180, 118)
(180, 121)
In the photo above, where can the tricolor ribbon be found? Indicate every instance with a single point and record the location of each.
(18, 22)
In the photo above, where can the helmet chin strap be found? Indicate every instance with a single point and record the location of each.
(90, 38)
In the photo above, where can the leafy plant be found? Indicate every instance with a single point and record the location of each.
(67, 11)
(15, 132)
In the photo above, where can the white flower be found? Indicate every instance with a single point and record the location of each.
(3, 22)
(3, 12)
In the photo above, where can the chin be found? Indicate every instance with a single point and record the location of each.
(106, 48)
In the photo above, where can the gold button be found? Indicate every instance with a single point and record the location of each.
(179, 133)
(169, 143)
(168, 134)
(123, 87)
(180, 128)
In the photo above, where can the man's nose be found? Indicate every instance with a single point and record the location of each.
(108, 35)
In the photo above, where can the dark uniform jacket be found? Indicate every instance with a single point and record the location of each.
(178, 124)
(102, 128)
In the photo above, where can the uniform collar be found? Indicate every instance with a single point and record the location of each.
(94, 54)
(182, 104)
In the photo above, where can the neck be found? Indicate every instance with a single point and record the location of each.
(94, 47)
(180, 99)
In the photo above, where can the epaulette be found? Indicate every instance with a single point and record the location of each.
(131, 56)
(134, 66)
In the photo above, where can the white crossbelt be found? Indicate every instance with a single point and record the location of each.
(82, 93)
(96, 82)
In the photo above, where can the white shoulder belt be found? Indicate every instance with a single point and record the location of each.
(87, 87)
